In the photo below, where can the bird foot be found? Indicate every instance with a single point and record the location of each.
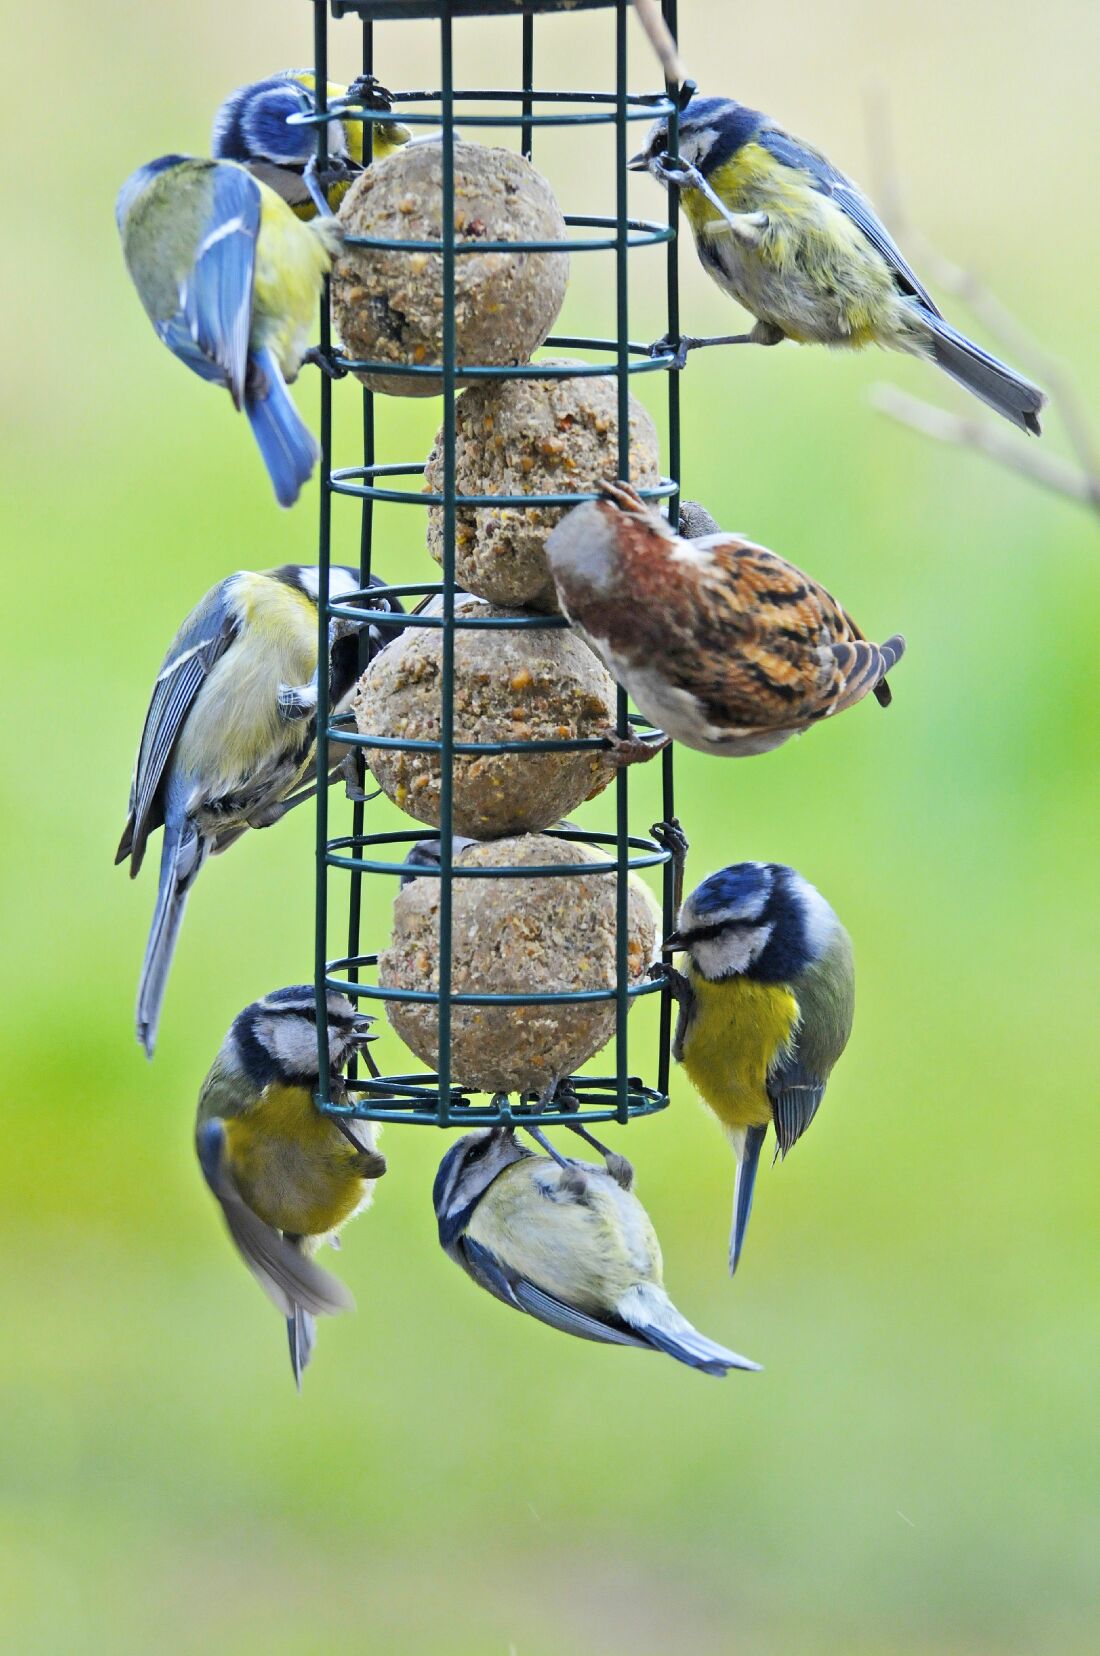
(632, 750)
(369, 93)
(320, 359)
(675, 982)
(671, 838)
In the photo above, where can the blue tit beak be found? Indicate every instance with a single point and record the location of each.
(638, 163)
(673, 942)
(360, 1029)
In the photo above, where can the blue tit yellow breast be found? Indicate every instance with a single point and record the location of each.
(293, 1168)
(292, 260)
(235, 725)
(736, 1030)
(813, 273)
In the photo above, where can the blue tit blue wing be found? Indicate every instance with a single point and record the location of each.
(830, 181)
(795, 1093)
(204, 637)
(216, 295)
(176, 334)
(519, 1292)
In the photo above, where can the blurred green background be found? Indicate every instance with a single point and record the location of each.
(916, 1470)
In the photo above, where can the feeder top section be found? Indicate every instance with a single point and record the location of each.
(376, 9)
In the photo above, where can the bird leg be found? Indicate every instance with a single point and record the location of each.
(632, 750)
(311, 178)
(573, 1177)
(747, 227)
(620, 1169)
(764, 333)
(671, 838)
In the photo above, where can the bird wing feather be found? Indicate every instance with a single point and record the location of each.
(216, 296)
(204, 637)
(289, 1278)
(830, 181)
(516, 1290)
(768, 634)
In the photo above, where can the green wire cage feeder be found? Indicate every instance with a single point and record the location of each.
(425, 1097)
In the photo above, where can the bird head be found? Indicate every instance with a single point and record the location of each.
(756, 920)
(465, 1174)
(710, 131)
(276, 1038)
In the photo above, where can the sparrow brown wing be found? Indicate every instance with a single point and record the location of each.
(768, 636)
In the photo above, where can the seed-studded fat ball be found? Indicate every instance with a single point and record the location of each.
(528, 685)
(388, 305)
(516, 936)
(556, 436)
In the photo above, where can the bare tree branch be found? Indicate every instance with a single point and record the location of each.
(660, 36)
(1082, 482)
(975, 433)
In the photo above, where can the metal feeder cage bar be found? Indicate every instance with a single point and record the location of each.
(424, 1098)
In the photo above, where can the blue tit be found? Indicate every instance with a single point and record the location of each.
(565, 1242)
(231, 281)
(286, 1176)
(799, 246)
(766, 1007)
(251, 127)
(229, 738)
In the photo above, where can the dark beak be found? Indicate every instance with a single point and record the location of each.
(673, 942)
(638, 163)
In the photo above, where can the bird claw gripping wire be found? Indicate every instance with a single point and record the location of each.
(670, 837)
(366, 92)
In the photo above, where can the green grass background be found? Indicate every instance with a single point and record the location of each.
(916, 1470)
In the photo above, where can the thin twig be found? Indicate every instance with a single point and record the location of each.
(1083, 483)
(660, 36)
(967, 432)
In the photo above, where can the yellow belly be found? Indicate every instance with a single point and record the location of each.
(295, 1170)
(737, 1030)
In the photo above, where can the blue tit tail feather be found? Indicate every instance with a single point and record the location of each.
(649, 1311)
(748, 1159)
(286, 443)
(182, 855)
(993, 382)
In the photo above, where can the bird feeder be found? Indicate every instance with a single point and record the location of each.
(369, 865)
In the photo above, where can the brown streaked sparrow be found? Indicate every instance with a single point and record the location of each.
(723, 644)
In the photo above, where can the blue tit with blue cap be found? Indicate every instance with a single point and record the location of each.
(766, 1007)
(231, 281)
(799, 246)
(230, 736)
(285, 1175)
(565, 1242)
(252, 127)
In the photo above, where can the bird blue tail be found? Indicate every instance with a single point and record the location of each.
(744, 1184)
(690, 1347)
(995, 384)
(286, 443)
(182, 855)
(301, 1331)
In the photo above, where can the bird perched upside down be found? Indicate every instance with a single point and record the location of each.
(230, 737)
(566, 1243)
(766, 1008)
(724, 645)
(786, 234)
(286, 1176)
(252, 127)
(231, 280)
